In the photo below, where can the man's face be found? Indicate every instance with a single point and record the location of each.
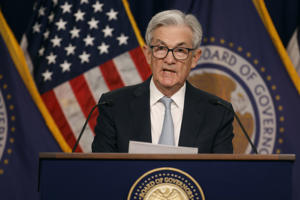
(169, 74)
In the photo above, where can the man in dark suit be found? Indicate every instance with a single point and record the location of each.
(138, 113)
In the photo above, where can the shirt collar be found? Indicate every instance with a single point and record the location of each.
(156, 95)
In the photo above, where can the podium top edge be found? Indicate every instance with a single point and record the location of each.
(126, 156)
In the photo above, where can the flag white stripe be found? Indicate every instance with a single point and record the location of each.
(127, 69)
(74, 115)
(24, 45)
(294, 51)
(96, 82)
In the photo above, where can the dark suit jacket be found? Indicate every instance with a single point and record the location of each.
(204, 125)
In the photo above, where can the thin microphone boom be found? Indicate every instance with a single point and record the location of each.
(218, 102)
(108, 103)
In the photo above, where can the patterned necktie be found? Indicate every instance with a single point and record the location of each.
(167, 133)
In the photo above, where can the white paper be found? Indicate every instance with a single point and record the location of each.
(149, 148)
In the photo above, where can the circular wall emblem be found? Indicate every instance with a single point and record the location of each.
(166, 183)
(234, 75)
(3, 124)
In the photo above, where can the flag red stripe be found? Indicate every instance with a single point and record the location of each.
(84, 98)
(140, 62)
(54, 108)
(111, 75)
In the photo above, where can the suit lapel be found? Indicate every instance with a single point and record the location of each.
(191, 117)
(140, 109)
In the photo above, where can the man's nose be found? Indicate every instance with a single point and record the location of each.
(170, 58)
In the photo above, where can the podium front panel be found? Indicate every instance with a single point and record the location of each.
(76, 178)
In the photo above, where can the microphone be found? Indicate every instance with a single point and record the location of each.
(106, 103)
(218, 102)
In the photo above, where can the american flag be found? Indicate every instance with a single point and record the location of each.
(78, 50)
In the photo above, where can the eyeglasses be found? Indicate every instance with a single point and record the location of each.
(179, 53)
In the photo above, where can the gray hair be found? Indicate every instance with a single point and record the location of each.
(175, 17)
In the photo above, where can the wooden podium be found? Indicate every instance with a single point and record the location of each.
(116, 176)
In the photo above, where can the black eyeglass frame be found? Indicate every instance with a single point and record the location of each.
(172, 50)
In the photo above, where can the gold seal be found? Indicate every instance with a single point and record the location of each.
(166, 183)
(166, 191)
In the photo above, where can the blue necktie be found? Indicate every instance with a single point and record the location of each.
(167, 133)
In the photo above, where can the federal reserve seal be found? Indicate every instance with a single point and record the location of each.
(231, 73)
(164, 184)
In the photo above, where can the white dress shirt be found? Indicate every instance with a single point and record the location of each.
(157, 111)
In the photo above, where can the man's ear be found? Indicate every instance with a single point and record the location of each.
(196, 57)
(147, 53)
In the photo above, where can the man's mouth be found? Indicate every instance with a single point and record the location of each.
(169, 70)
